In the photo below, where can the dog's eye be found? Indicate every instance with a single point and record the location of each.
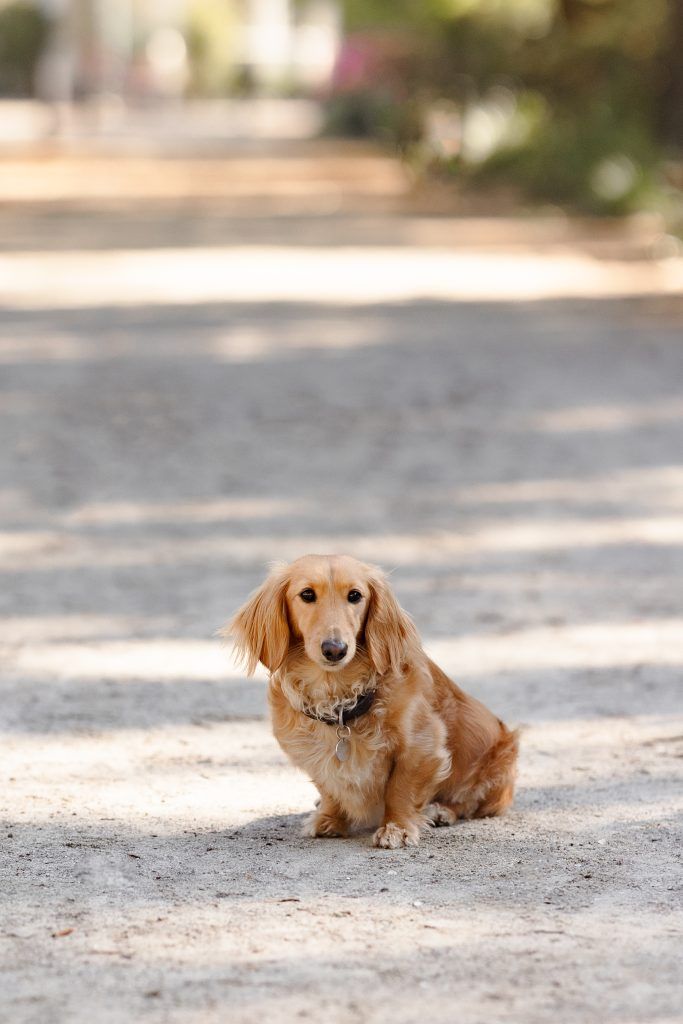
(307, 595)
(354, 596)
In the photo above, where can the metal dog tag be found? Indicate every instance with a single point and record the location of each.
(343, 749)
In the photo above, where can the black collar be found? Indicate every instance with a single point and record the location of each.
(363, 704)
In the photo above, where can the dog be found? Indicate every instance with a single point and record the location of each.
(386, 737)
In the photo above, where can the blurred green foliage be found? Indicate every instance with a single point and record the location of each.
(574, 100)
(210, 35)
(23, 33)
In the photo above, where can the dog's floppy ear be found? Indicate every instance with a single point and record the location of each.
(260, 629)
(389, 631)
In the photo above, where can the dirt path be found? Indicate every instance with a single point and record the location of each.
(518, 464)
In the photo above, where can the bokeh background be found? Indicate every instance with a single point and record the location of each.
(573, 101)
(392, 278)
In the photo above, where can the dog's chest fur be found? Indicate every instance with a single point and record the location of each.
(357, 784)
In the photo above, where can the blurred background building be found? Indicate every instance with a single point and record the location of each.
(576, 102)
(138, 49)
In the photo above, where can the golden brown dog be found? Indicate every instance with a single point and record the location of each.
(386, 737)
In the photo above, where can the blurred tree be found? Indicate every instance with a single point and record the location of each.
(23, 34)
(211, 36)
(671, 95)
(587, 90)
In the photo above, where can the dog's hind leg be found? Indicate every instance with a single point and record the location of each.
(438, 814)
(488, 790)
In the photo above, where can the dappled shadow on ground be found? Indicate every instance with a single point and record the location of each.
(491, 862)
(148, 224)
(90, 706)
(53, 700)
(519, 467)
(246, 919)
(532, 449)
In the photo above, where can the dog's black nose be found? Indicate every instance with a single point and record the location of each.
(334, 650)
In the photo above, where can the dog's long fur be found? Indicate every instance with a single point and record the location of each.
(425, 752)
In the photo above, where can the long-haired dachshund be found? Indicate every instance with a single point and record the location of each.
(385, 735)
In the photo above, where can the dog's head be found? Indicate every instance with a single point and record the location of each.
(333, 607)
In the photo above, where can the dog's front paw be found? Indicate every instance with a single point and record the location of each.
(392, 836)
(324, 826)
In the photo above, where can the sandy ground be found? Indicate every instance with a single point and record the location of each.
(516, 463)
